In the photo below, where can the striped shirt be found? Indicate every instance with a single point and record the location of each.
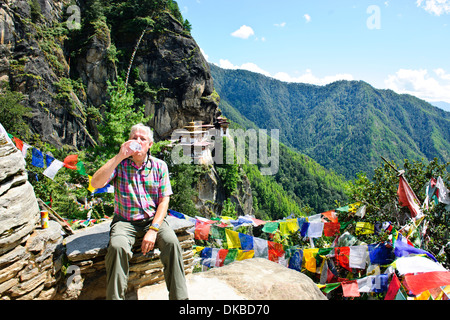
(138, 191)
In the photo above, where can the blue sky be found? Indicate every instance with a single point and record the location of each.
(403, 45)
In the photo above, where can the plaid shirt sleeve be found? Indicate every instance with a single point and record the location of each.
(165, 188)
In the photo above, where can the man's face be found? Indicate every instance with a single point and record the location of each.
(141, 137)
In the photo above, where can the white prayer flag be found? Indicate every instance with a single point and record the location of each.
(261, 248)
(53, 169)
(315, 229)
(358, 257)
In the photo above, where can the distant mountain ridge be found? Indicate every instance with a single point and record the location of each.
(345, 126)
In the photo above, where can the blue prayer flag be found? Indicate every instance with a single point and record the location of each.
(38, 158)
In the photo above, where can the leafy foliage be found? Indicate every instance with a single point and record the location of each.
(380, 197)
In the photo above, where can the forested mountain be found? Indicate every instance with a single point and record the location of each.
(345, 126)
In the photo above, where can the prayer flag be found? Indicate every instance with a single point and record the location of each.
(288, 227)
(365, 284)
(201, 230)
(53, 169)
(106, 189)
(331, 215)
(393, 288)
(206, 257)
(358, 255)
(350, 288)
(315, 229)
(380, 254)
(19, 143)
(402, 249)
(245, 254)
(331, 228)
(364, 228)
(37, 159)
(48, 160)
(418, 283)
(309, 259)
(414, 264)
(175, 213)
(81, 169)
(231, 256)
(380, 283)
(443, 193)
(295, 261)
(90, 187)
(246, 241)
(330, 287)
(71, 161)
(407, 198)
(221, 256)
(270, 227)
(275, 250)
(232, 239)
(261, 248)
(342, 257)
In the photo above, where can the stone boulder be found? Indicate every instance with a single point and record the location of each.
(30, 257)
(19, 210)
(251, 279)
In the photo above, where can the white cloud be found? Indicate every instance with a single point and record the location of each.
(243, 32)
(281, 25)
(422, 84)
(249, 66)
(204, 54)
(436, 7)
(307, 17)
(307, 77)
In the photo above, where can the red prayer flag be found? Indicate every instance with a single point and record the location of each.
(71, 161)
(350, 288)
(407, 198)
(202, 230)
(221, 255)
(394, 286)
(342, 255)
(275, 250)
(418, 283)
(19, 143)
(331, 228)
(331, 215)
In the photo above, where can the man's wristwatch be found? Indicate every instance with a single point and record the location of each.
(154, 226)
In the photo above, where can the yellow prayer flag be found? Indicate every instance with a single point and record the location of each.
(364, 228)
(288, 226)
(354, 206)
(232, 239)
(245, 254)
(198, 249)
(309, 259)
(90, 188)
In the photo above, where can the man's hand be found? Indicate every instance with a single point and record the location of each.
(148, 243)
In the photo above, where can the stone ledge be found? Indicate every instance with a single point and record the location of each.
(86, 250)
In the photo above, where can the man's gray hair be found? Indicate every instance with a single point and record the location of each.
(142, 127)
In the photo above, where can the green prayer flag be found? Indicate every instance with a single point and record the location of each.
(270, 227)
(330, 287)
(80, 168)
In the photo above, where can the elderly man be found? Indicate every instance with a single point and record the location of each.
(142, 192)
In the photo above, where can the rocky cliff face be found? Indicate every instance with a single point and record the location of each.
(35, 58)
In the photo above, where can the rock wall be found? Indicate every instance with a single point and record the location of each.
(30, 257)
